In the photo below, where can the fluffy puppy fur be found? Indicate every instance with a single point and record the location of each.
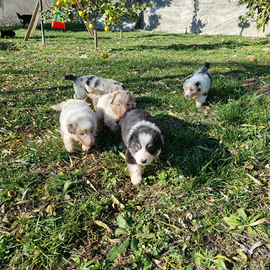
(8, 33)
(77, 123)
(199, 84)
(111, 107)
(93, 86)
(143, 140)
(25, 18)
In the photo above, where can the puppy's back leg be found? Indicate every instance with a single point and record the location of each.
(99, 118)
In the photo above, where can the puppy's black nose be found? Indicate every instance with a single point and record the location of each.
(143, 161)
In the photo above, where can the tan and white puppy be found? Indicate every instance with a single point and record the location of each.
(111, 107)
(93, 86)
(199, 84)
(77, 123)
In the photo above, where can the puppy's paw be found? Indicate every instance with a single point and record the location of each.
(70, 147)
(85, 148)
(69, 144)
(136, 180)
(198, 105)
(135, 172)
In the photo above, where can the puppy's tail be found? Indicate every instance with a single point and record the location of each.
(19, 16)
(70, 77)
(59, 106)
(207, 63)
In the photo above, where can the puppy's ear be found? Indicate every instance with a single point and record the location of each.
(71, 128)
(130, 94)
(198, 85)
(113, 95)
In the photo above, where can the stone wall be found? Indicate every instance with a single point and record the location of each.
(197, 16)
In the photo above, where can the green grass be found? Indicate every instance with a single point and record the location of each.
(78, 210)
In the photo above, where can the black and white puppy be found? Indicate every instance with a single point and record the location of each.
(93, 86)
(143, 140)
(199, 84)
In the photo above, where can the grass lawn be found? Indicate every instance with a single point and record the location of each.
(203, 205)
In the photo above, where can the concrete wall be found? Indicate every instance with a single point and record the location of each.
(197, 16)
(9, 8)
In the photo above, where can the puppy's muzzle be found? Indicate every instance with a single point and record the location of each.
(88, 142)
(143, 161)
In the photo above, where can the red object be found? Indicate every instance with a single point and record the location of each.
(58, 24)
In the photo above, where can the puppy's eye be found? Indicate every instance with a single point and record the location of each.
(149, 146)
(81, 134)
(138, 147)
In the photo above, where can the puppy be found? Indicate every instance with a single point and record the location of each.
(93, 86)
(77, 123)
(25, 18)
(199, 84)
(8, 33)
(110, 107)
(143, 140)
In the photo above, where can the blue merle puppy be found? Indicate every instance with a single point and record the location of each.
(93, 86)
(199, 84)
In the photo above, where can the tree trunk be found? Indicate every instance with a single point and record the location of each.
(121, 29)
(95, 33)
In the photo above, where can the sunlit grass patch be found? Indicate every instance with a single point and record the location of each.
(79, 210)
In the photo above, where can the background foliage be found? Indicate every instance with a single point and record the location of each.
(258, 10)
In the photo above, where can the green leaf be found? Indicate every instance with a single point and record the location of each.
(120, 231)
(134, 243)
(112, 254)
(124, 246)
(254, 218)
(199, 255)
(232, 222)
(66, 186)
(122, 223)
(146, 235)
(198, 261)
(220, 264)
(252, 232)
(115, 251)
(242, 214)
(189, 267)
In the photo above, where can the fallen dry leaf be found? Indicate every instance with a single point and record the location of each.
(254, 179)
(251, 58)
(116, 202)
(249, 167)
